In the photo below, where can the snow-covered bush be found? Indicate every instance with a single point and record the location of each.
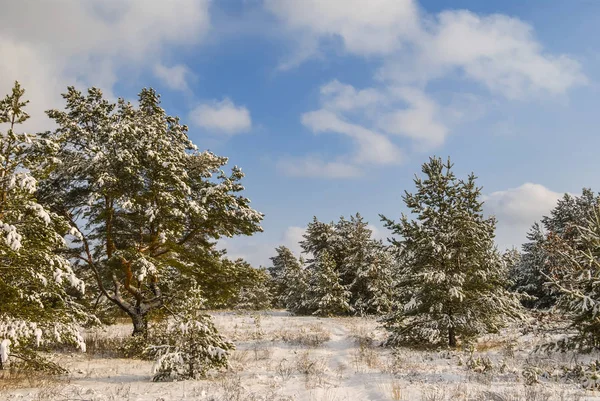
(188, 345)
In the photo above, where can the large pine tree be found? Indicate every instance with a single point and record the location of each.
(147, 206)
(451, 280)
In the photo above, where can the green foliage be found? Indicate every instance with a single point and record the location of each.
(451, 280)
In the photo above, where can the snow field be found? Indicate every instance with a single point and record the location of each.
(282, 358)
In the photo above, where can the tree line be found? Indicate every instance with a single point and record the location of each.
(115, 211)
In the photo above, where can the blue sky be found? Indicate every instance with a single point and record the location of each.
(330, 107)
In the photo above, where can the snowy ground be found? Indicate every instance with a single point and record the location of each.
(282, 357)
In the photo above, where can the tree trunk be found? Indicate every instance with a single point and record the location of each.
(140, 324)
(451, 337)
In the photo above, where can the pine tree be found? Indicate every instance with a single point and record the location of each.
(277, 271)
(37, 283)
(451, 280)
(295, 296)
(575, 277)
(327, 295)
(145, 204)
(352, 243)
(319, 237)
(188, 345)
(372, 289)
(536, 264)
(255, 291)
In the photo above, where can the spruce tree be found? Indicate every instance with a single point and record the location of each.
(37, 284)
(146, 206)
(452, 279)
(327, 295)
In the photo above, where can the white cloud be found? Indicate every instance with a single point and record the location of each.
(175, 77)
(313, 166)
(497, 51)
(224, 117)
(373, 27)
(516, 209)
(50, 45)
(372, 118)
(372, 147)
(419, 121)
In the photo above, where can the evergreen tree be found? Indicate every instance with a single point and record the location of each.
(451, 279)
(188, 345)
(352, 243)
(145, 204)
(295, 296)
(277, 271)
(372, 289)
(327, 295)
(37, 284)
(531, 274)
(575, 277)
(255, 290)
(319, 237)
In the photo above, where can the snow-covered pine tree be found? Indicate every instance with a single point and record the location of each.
(327, 296)
(296, 278)
(531, 274)
(373, 287)
(36, 282)
(147, 207)
(352, 243)
(188, 344)
(277, 271)
(319, 237)
(574, 275)
(255, 289)
(451, 281)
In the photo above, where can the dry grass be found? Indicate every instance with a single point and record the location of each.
(312, 335)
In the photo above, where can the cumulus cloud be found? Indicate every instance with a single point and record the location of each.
(373, 119)
(375, 27)
(222, 116)
(516, 209)
(50, 45)
(412, 48)
(497, 51)
(175, 77)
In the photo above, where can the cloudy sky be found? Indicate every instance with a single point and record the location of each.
(331, 106)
